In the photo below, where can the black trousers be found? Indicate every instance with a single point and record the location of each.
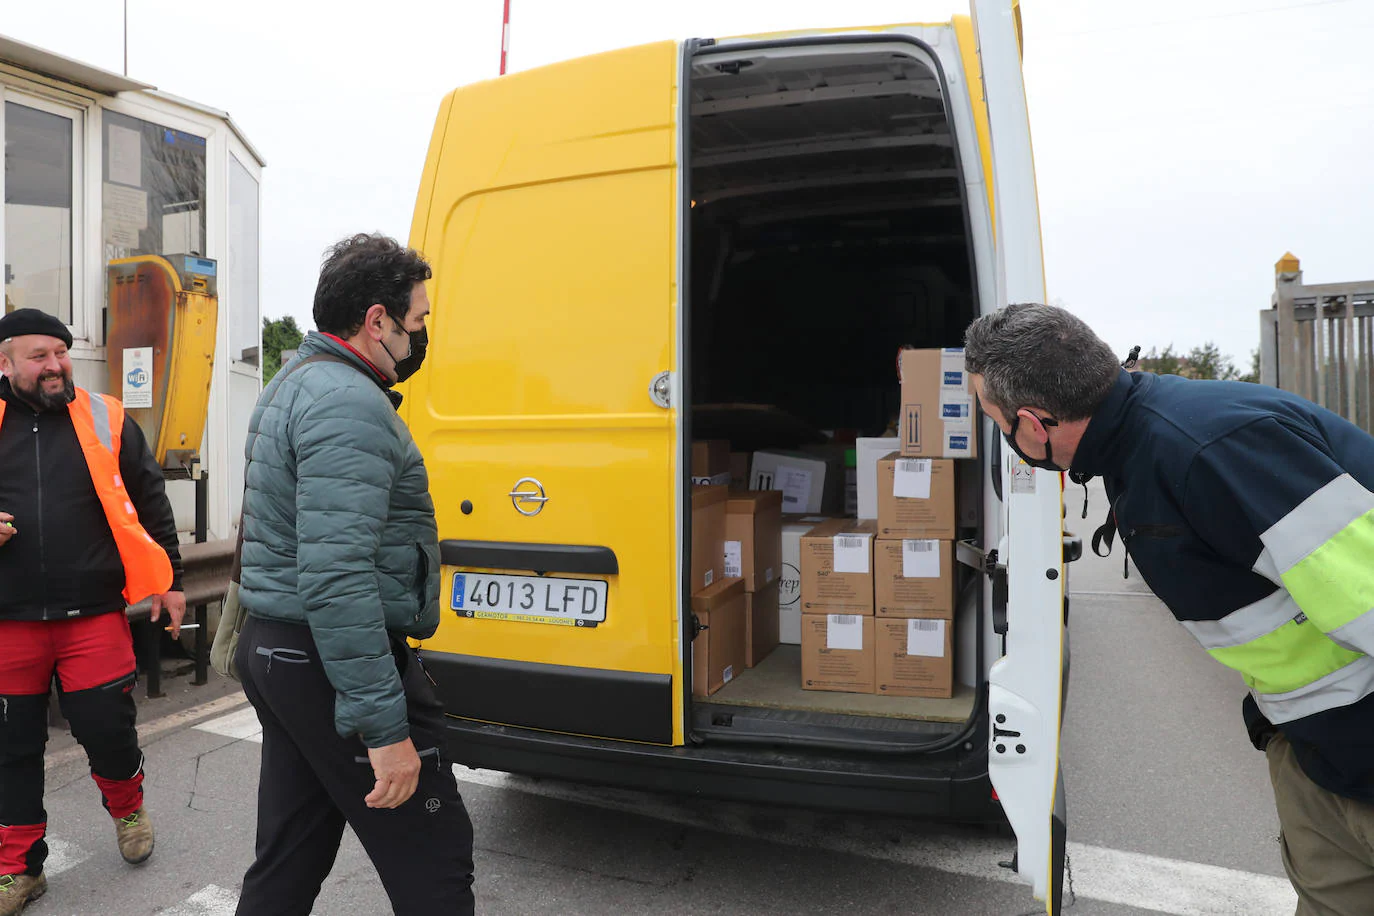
(313, 782)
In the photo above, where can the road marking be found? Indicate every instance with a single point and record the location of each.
(64, 856)
(1133, 879)
(147, 730)
(1109, 875)
(211, 900)
(242, 724)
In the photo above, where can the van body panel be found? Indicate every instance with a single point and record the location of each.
(552, 224)
(1026, 685)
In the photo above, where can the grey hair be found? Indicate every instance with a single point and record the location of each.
(1033, 355)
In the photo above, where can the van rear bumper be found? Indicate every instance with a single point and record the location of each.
(953, 785)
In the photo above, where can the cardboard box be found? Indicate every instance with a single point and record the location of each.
(708, 536)
(938, 409)
(913, 578)
(916, 498)
(718, 650)
(914, 658)
(739, 470)
(837, 653)
(753, 538)
(789, 592)
(711, 462)
(803, 479)
(869, 453)
(761, 624)
(837, 567)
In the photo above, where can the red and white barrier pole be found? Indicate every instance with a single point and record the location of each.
(505, 36)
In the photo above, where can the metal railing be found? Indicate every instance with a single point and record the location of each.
(1317, 341)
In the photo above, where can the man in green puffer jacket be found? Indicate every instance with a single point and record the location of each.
(341, 563)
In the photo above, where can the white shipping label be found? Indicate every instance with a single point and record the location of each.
(920, 559)
(844, 631)
(138, 377)
(851, 553)
(729, 674)
(957, 411)
(795, 485)
(952, 370)
(925, 637)
(709, 577)
(734, 559)
(911, 480)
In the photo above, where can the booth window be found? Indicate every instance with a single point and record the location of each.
(154, 189)
(244, 324)
(39, 175)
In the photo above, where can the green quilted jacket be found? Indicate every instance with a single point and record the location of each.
(339, 531)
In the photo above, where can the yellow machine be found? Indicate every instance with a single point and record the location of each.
(160, 348)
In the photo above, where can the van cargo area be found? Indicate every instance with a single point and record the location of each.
(829, 229)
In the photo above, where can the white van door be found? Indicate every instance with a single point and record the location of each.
(1026, 685)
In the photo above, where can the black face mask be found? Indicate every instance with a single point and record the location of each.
(1046, 463)
(419, 343)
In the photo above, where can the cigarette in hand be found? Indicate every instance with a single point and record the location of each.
(185, 626)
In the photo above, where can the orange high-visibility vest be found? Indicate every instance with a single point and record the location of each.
(99, 422)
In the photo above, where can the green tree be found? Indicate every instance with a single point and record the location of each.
(1166, 363)
(278, 335)
(1207, 361)
(1254, 374)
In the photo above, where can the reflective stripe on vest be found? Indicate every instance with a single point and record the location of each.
(99, 422)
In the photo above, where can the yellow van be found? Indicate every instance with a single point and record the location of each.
(620, 241)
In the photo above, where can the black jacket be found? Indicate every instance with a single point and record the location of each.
(62, 561)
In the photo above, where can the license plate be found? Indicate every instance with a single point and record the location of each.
(530, 599)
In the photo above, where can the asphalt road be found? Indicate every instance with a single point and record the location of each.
(1169, 812)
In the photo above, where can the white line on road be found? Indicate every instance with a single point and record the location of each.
(64, 856)
(1110, 875)
(1113, 876)
(211, 900)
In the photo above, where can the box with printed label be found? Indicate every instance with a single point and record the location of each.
(938, 410)
(868, 453)
(711, 462)
(789, 591)
(913, 577)
(761, 624)
(803, 479)
(837, 567)
(916, 498)
(753, 537)
(914, 657)
(708, 535)
(837, 653)
(718, 649)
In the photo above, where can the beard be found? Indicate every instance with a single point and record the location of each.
(39, 397)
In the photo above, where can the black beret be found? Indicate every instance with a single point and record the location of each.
(32, 321)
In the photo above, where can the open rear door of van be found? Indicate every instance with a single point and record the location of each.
(1026, 685)
(546, 410)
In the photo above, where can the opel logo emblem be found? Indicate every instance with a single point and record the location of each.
(528, 496)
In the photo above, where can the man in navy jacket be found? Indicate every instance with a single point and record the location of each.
(1249, 512)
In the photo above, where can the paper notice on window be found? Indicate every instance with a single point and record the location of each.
(925, 637)
(795, 485)
(124, 148)
(734, 555)
(125, 213)
(912, 478)
(844, 631)
(138, 377)
(920, 559)
(851, 553)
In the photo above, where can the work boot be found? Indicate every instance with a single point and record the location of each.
(135, 836)
(18, 890)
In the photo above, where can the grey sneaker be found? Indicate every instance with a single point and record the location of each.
(135, 836)
(17, 891)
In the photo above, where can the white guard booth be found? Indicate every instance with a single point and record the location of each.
(99, 167)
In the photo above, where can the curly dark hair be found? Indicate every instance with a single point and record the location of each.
(361, 271)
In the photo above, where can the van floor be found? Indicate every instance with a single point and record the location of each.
(775, 683)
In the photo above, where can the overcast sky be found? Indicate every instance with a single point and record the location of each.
(1182, 146)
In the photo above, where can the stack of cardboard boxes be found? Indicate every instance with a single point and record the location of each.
(871, 599)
